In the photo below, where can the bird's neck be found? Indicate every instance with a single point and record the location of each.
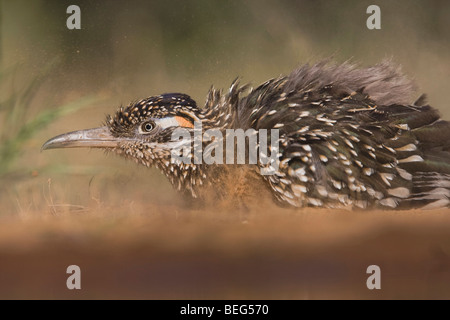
(190, 178)
(219, 114)
(217, 184)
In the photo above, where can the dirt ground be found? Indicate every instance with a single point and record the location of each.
(171, 253)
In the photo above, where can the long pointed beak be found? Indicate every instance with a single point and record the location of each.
(89, 138)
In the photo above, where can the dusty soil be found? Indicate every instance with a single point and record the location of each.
(171, 253)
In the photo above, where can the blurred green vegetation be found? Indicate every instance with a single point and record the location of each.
(139, 48)
(17, 126)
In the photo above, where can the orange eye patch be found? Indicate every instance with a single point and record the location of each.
(183, 122)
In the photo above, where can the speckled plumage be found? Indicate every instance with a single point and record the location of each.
(348, 137)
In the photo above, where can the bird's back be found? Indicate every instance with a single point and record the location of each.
(349, 137)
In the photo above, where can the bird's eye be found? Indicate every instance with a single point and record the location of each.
(148, 127)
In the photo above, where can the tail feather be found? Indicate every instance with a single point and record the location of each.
(431, 177)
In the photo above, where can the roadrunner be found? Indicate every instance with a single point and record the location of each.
(348, 136)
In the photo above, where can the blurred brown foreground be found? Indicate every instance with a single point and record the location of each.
(168, 253)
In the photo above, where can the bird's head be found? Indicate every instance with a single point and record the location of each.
(142, 130)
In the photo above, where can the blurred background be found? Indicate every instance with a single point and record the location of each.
(55, 80)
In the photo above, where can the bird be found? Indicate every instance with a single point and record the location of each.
(349, 137)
